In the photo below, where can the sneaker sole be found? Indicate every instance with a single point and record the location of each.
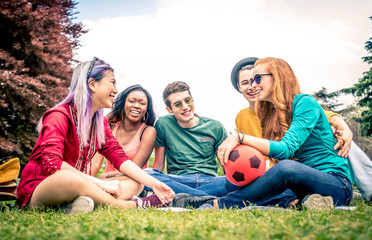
(80, 205)
(183, 197)
(318, 202)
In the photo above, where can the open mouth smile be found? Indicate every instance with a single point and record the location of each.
(135, 112)
(253, 93)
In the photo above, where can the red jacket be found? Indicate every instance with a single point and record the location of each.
(58, 141)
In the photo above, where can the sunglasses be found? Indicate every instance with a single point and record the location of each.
(179, 105)
(257, 78)
(92, 63)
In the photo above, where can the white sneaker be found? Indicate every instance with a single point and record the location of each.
(317, 202)
(80, 204)
(357, 195)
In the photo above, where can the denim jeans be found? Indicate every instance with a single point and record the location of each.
(206, 185)
(299, 178)
(194, 184)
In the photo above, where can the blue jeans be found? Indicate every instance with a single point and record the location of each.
(194, 184)
(299, 178)
(206, 185)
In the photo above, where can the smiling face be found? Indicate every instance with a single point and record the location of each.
(103, 92)
(135, 106)
(185, 114)
(249, 92)
(265, 87)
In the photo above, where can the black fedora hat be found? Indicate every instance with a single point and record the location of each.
(236, 69)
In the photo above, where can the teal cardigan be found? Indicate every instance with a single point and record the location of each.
(310, 139)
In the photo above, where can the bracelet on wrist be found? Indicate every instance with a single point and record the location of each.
(240, 141)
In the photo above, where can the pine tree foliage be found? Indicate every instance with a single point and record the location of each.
(328, 100)
(363, 90)
(38, 38)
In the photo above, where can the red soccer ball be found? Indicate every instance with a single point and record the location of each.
(245, 164)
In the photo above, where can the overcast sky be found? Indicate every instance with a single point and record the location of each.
(155, 42)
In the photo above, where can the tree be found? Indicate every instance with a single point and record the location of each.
(351, 114)
(363, 90)
(38, 38)
(328, 100)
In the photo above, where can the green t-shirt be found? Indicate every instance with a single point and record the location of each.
(309, 138)
(190, 150)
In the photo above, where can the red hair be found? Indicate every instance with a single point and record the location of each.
(276, 116)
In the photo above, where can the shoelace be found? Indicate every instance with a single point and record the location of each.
(146, 204)
(196, 202)
(142, 204)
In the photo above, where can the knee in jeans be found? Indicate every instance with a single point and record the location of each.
(286, 167)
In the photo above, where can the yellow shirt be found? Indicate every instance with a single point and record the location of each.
(248, 123)
(330, 114)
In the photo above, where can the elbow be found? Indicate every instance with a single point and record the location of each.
(281, 155)
(287, 154)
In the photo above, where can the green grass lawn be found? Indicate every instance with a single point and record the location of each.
(113, 223)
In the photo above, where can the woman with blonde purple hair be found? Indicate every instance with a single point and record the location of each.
(58, 171)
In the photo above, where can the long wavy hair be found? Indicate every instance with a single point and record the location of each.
(118, 108)
(276, 116)
(80, 96)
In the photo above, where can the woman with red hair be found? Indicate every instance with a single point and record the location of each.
(296, 128)
(296, 132)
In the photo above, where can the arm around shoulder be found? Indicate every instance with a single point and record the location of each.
(343, 134)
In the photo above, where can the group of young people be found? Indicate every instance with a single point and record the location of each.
(308, 165)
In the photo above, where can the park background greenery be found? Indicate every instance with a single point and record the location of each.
(38, 40)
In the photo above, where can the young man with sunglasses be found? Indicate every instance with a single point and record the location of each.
(187, 143)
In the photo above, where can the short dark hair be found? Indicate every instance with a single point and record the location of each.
(174, 87)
